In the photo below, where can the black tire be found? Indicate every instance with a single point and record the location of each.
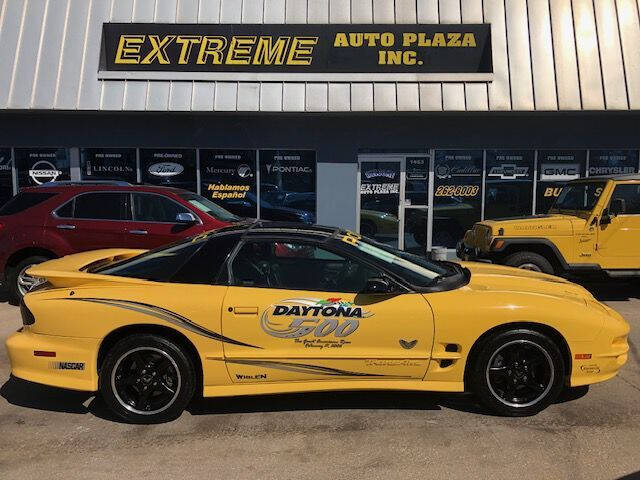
(147, 379)
(13, 277)
(517, 373)
(530, 261)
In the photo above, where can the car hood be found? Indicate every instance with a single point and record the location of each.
(496, 278)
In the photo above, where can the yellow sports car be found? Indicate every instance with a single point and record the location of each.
(267, 308)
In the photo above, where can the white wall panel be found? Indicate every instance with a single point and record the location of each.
(252, 11)
(361, 11)
(90, 87)
(430, 96)
(427, 11)
(135, 95)
(208, 11)
(519, 55)
(158, 96)
(408, 97)
(274, 11)
(318, 11)
(143, 10)
(248, 97)
(317, 97)
(296, 11)
(449, 11)
(406, 11)
(565, 59)
(271, 97)
(362, 97)
(630, 36)
(384, 96)
(226, 96)
(476, 95)
(121, 10)
(453, 96)
(203, 96)
(588, 55)
(471, 11)
(339, 11)
(230, 11)
(13, 13)
(499, 88)
(383, 11)
(187, 11)
(293, 97)
(615, 91)
(180, 96)
(544, 78)
(166, 10)
(46, 75)
(112, 97)
(339, 97)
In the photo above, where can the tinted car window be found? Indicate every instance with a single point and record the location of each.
(205, 266)
(630, 196)
(24, 200)
(159, 265)
(298, 266)
(101, 206)
(155, 208)
(579, 196)
(65, 211)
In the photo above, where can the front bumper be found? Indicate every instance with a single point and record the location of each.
(74, 365)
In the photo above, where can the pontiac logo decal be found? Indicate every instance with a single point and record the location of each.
(298, 317)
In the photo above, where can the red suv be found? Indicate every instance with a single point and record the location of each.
(60, 218)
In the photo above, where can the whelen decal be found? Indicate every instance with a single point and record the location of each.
(305, 368)
(298, 317)
(162, 314)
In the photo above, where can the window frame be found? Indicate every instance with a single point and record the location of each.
(132, 207)
(72, 200)
(637, 185)
(400, 286)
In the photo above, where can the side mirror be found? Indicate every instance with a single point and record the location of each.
(618, 206)
(606, 218)
(377, 285)
(186, 218)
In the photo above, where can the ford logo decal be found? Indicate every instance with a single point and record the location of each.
(166, 169)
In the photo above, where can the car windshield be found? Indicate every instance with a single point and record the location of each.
(208, 207)
(580, 197)
(417, 270)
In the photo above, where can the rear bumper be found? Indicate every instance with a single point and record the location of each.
(73, 367)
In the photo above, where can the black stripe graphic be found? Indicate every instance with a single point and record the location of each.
(163, 314)
(311, 369)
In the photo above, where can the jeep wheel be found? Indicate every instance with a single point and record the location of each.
(530, 261)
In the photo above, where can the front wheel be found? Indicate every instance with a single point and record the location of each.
(530, 261)
(517, 373)
(147, 379)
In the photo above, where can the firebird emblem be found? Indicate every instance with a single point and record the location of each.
(408, 345)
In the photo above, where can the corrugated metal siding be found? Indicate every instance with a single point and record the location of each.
(548, 55)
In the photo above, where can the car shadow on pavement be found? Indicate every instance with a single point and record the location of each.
(613, 290)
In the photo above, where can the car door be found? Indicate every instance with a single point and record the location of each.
(619, 240)
(92, 221)
(154, 221)
(299, 302)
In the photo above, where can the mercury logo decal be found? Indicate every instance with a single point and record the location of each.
(244, 171)
(166, 169)
(298, 317)
(44, 172)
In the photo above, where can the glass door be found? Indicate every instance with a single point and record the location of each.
(416, 221)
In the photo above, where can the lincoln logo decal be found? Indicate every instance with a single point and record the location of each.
(298, 317)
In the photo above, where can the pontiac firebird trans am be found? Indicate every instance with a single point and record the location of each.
(268, 308)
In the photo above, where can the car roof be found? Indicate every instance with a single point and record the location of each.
(615, 178)
(80, 187)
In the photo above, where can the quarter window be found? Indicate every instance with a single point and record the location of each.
(101, 206)
(298, 266)
(629, 197)
(155, 208)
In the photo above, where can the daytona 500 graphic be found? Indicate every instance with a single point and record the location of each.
(298, 317)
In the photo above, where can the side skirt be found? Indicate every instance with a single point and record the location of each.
(323, 386)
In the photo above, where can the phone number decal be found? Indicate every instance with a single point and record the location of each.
(457, 191)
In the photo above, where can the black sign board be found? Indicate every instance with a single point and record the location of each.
(228, 178)
(109, 164)
(509, 183)
(169, 167)
(41, 165)
(298, 48)
(6, 175)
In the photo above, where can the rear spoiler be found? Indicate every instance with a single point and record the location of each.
(71, 270)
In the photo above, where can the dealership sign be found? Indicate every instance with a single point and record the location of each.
(280, 52)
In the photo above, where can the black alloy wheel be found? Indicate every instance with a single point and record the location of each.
(147, 379)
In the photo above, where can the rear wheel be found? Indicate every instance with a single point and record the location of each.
(147, 379)
(19, 283)
(518, 372)
(530, 261)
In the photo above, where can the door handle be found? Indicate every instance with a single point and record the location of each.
(138, 232)
(245, 310)
(64, 226)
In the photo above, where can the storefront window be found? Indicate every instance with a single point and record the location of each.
(509, 183)
(169, 167)
(6, 176)
(379, 200)
(613, 162)
(41, 165)
(288, 185)
(555, 168)
(228, 178)
(457, 194)
(108, 164)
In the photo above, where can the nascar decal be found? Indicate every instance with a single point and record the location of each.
(299, 317)
(66, 365)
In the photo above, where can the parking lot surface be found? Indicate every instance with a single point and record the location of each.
(51, 433)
